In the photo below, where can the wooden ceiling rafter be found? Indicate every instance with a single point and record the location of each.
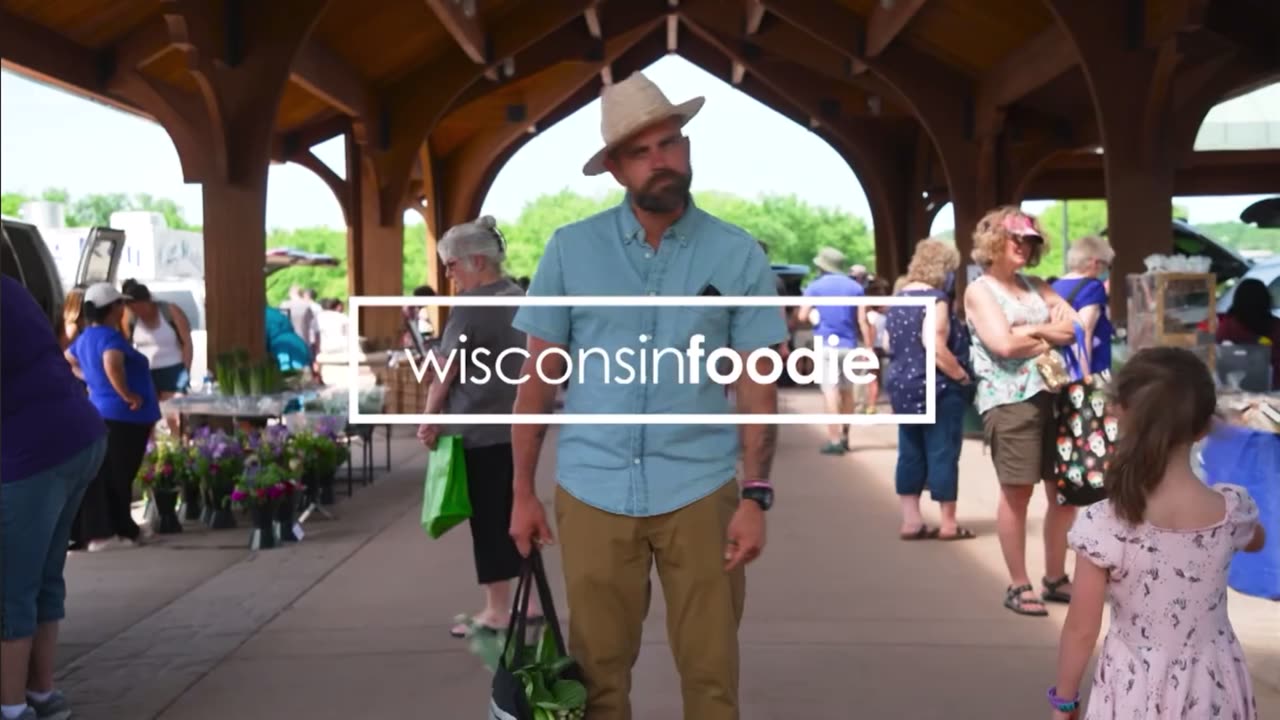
(316, 68)
(467, 30)
(465, 166)
(888, 19)
(568, 44)
(421, 99)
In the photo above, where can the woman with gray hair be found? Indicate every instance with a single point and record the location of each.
(473, 254)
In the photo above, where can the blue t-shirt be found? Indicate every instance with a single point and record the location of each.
(88, 348)
(833, 320)
(1094, 292)
(44, 414)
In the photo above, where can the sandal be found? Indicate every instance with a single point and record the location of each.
(468, 626)
(961, 533)
(1014, 600)
(1052, 593)
(924, 532)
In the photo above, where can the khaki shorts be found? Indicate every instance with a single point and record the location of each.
(1022, 437)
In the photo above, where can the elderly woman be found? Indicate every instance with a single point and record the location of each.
(1084, 288)
(119, 382)
(929, 455)
(473, 254)
(54, 442)
(1013, 319)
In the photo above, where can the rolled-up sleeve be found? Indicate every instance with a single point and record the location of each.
(546, 322)
(752, 328)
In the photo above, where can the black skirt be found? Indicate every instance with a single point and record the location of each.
(490, 471)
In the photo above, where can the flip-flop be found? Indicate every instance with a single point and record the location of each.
(923, 533)
(961, 533)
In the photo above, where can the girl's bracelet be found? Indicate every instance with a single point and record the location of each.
(1063, 704)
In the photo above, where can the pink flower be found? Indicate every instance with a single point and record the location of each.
(237, 495)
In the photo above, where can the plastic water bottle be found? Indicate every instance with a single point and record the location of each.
(207, 387)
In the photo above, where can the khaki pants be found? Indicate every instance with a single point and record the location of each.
(607, 564)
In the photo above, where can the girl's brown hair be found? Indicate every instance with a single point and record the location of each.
(1167, 398)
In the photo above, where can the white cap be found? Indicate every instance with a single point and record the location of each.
(102, 294)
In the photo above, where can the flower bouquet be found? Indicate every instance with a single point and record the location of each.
(161, 476)
(216, 459)
(261, 489)
(321, 454)
(274, 445)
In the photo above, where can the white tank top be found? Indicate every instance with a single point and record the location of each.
(159, 344)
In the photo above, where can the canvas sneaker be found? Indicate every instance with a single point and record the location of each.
(55, 707)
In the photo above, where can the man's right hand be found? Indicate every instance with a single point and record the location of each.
(529, 523)
(133, 400)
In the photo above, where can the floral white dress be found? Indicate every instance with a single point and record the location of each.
(1170, 652)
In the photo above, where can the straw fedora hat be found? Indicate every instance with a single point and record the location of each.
(831, 260)
(630, 106)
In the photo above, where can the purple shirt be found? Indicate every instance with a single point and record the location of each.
(45, 416)
(834, 320)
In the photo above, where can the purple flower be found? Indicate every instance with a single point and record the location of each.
(238, 495)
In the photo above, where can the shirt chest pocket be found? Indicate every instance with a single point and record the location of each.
(682, 324)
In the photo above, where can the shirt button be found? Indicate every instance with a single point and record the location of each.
(652, 292)
(648, 255)
(636, 461)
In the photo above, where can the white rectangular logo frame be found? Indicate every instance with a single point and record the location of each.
(358, 302)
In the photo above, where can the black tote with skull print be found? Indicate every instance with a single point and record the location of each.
(1085, 438)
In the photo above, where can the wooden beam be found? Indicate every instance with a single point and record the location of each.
(316, 68)
(755, 16)
(40, 54)
(673, 33)
(466, 31)
(1035, 64)
(888, 19)
(592, 17)
(467, 166)
(327, 76)
(425, 94)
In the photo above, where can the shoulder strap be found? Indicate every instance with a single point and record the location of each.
(1071, 296)
(166, 312)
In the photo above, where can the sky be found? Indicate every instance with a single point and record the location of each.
(49, 138)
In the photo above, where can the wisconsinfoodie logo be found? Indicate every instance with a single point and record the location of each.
(645, 362)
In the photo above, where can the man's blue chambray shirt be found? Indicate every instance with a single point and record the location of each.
(643, 470)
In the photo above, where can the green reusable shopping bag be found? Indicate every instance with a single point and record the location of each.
(445, 502)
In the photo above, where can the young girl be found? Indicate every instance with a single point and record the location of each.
(1160, 547)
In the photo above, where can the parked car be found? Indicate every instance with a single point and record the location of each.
(1268, 271)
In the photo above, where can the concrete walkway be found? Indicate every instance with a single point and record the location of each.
(843, 620)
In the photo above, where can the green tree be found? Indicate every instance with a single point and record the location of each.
(11, 203)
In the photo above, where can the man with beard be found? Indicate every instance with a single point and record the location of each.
(633, 496)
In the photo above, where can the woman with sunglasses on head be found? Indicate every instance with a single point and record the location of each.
(1013, 319)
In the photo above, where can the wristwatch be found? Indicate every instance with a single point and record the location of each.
(760, 493)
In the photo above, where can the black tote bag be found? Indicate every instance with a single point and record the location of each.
(510, 698)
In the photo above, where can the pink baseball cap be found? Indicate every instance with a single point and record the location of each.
(1022, 226)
